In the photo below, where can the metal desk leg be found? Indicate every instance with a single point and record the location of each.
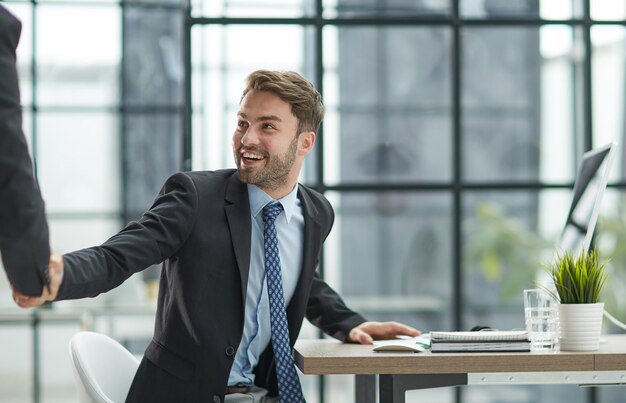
(393, 387)
(36, 361)
(365, 388)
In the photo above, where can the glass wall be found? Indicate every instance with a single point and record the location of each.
(102, 94)
(451, 141)
(450, 144)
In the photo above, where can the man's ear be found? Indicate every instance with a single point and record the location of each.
(306, 141)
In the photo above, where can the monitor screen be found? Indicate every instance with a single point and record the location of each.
(589, 187)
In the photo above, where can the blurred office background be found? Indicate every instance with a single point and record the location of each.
(453, 133)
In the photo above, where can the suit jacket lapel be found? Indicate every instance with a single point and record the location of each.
(312, 243)
(237, 208)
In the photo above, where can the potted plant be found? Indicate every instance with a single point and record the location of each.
(578, 280)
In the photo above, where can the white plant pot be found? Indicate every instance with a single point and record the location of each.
(580, 326)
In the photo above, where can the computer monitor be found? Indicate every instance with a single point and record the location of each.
(589, 186)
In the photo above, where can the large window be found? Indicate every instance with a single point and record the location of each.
(451, 140)
(102, 94)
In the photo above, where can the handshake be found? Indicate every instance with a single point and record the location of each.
(50, 290)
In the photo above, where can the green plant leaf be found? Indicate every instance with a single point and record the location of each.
(578, 279)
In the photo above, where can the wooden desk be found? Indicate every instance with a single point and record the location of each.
(399, 372)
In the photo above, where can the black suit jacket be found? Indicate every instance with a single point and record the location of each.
(24, 243)
(200, 225)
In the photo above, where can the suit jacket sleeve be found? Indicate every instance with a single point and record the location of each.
(325, 308)
(156, 236)
(24, 243)
(327, 311)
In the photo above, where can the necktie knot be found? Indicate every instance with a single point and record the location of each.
(271, 211)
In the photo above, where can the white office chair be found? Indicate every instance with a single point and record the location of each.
(103, 368)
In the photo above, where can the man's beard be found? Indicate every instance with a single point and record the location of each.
(274, 173)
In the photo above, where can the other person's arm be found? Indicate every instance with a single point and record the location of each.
(24, 243)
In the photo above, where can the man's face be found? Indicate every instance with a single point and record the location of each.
(266, 143)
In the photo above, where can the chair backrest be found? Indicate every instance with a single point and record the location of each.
(103, 368)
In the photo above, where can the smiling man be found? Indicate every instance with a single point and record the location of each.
(269, 143)
(240, 250)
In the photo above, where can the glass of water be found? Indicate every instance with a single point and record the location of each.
(540, 313)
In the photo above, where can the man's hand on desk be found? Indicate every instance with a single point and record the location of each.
(367, 332)
(50, 291)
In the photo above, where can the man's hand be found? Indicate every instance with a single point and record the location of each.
(50, 291)
(367, 332)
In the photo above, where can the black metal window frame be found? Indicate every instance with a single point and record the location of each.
(457, 186)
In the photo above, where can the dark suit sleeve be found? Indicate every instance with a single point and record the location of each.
(24, 243)
(155, 237)
(327, 311)
(325, 308)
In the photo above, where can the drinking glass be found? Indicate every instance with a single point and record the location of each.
(540, 313)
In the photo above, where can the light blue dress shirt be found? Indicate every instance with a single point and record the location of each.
(290, 231)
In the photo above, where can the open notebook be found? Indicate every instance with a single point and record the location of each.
(417, 344)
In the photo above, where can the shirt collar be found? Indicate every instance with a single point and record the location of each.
(259, 199)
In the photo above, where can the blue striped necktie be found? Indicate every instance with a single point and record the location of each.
(289, 389)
